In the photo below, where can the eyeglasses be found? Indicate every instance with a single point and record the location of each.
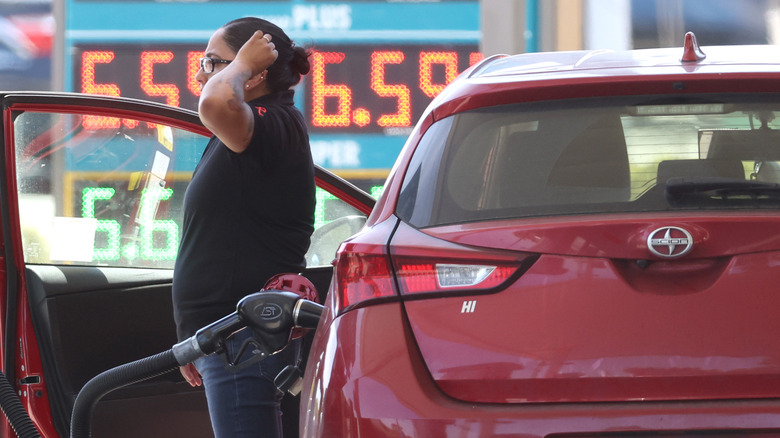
(207, 64)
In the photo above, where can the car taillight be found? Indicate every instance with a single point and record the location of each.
(362, 276)
(420, 275)
(368, 271)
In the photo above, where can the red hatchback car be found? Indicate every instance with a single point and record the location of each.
(571, 244)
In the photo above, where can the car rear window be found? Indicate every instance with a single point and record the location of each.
(596, 156)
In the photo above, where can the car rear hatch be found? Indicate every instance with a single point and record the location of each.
(590, 314)
(629, 249)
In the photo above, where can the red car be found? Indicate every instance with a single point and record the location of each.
(570, 245)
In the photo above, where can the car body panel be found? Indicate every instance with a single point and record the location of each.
(618, 237)
(367, 401)
(551, 337)
(587, 322)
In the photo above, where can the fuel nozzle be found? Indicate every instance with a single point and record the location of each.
(273, 315)
(270, 316)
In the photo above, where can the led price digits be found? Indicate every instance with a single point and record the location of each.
(427, 61)
(395, 87)
(169, 91)
(150, 198)
(88, 85)
(89, 197)
(112, 251)
(320, 91)
(161, 75)
(402, 117)
(351, 88)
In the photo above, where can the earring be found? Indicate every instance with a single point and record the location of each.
(247, 86)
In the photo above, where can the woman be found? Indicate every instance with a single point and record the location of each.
(248, 212)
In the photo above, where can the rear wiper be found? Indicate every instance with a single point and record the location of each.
(698, 191)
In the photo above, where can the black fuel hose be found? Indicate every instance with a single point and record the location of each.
(14, 411)
(107, 381)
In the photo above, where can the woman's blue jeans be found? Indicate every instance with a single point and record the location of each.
(246, 403)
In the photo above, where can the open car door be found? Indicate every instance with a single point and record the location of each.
(91, 206)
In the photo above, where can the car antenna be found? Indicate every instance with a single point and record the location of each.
(691, 50)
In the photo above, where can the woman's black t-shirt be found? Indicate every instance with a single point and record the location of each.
(247, 216)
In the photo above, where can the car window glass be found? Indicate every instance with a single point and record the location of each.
(334, 221)
(418, 188)
(587, 157)
(98, 190)
(105, 191)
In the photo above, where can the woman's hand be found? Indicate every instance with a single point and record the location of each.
(258, 53)
(191, 375)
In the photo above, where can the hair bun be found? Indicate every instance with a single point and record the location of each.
(300, 60)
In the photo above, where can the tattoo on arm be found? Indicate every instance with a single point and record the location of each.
(235, 102)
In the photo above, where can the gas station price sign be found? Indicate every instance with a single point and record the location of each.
(373, 88)
(350, 89)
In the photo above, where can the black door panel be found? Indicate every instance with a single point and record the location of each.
(88, 320)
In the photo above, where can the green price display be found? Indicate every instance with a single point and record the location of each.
(145, 237)
(140, 243)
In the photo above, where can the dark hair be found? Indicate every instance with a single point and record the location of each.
(293, 61)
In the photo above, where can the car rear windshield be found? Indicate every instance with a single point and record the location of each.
(596, 156)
